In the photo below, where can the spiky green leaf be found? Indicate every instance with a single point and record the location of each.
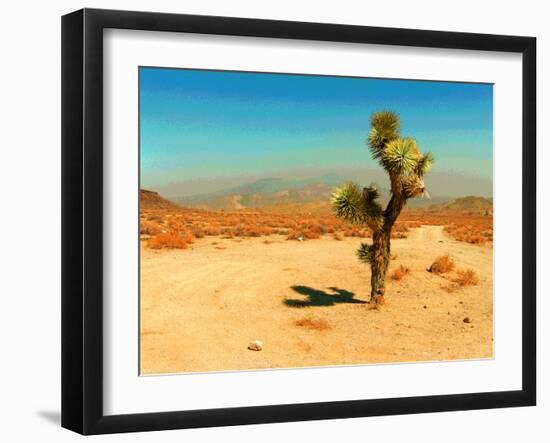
(348, 203)
(386, 123)
(365, 253)
(384, 128)
(425, 163)
(371, 193)
(376, 142)
(400, 156)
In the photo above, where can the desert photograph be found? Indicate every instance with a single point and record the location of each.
(296, 221)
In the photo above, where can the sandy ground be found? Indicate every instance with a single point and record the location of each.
(201, 307)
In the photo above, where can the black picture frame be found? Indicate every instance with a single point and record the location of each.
(82, 218)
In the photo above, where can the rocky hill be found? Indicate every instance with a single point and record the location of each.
(470, 204)
(152, 200)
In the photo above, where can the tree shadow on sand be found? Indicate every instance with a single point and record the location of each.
(316, 297)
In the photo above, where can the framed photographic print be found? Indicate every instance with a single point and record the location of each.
(269, 221)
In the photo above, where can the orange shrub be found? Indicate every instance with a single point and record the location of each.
(187, 236)
(399, 273)
(476, 239)
(466, 277)
(251, 231)
(198, 232)
(168, 240)
(149, 228)
(398, 234)
(310, 235)
(462, 225)
(472, 227)
(301, 234)
(442, 264)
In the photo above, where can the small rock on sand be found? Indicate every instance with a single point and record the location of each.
(255, 345)
(467, 320)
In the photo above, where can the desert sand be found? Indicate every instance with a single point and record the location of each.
(306, 302)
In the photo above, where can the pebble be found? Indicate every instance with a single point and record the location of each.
(255, 345)
(467, 320)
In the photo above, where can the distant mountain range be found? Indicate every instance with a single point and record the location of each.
(311, 195)
(276, 191)
(265, 192)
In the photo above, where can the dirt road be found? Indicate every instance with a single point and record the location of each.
(201, 307)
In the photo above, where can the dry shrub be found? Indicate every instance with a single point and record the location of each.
(442, 264)
(315, 228)
(168, 240)
(412, 224)
(399, 231)
(476, 240)
(149, 228)
(337, 236)
(399, 273)
(471, 226)
(474, 232)
(398, 235)
(188, 237)
(466, 277)
(317, 324)
(311, 235)
(250, 231)
(198, 232)
(212, 230)
(354, 231)
(301, 234)
(295, 235)
(156, 218)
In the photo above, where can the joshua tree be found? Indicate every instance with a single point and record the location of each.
(406, 166)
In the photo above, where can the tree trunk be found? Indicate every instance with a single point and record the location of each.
(379, 266)
(381, 245)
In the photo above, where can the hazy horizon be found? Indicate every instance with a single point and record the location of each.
(205, 131)
(439, 183)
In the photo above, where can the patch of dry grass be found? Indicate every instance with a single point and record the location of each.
(399, 230)
(303, 234)
(295, 223)
(442, 265)
(470, 226)
(149, 228)
(167, 240)
(399, 273)
(466, 277)
(316, 324)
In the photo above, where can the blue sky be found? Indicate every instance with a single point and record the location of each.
(197, 124)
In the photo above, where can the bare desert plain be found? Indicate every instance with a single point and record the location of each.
(306, 301)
